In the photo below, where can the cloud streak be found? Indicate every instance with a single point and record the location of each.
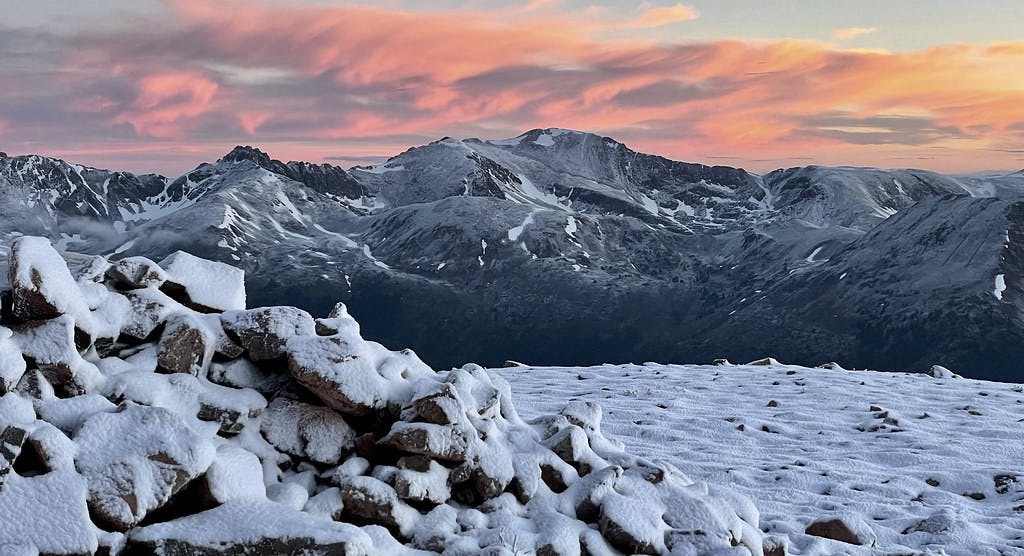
(312, 81)
(853, 32)
(656, 17)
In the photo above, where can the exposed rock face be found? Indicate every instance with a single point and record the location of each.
(263, 428)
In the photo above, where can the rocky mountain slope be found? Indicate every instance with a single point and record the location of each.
(145, 410)
(562, 247)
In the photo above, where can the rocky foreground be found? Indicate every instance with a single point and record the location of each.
(145, 410)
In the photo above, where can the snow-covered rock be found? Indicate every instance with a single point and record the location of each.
(137, 272)
(264, 332)
(250, 527)
(186, 346)
(135, 459)
(169, 419)
(12, 362)
(207, 286)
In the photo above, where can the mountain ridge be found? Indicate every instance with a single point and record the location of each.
(563, 247)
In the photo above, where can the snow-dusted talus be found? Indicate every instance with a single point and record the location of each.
(144, 410)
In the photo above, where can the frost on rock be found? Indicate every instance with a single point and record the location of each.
(144, 410)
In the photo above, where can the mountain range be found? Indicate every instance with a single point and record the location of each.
(561, 247)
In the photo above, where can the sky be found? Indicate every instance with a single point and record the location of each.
(162, 85)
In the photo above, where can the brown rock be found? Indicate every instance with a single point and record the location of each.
(442, 442)
(415, 462)
(834, 529)
(324, 364)
(571, 444)
(12, 438)
(28, 264)
(371, 500)
(620, 537)
(185, 347)
(441, 407)
(264, 332)
(553, 478)
(135, 460)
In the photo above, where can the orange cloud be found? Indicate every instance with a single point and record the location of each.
(656, 17)
(377, 78)
(853, 32)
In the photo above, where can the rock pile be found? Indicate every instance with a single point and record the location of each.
(145, 410)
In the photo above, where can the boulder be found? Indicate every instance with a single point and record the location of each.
(630, 525)
(307, 431)
(327, 504)
(203, 285)
(257, 527)
(186, 346)
(264, 332)
(12, 438)
(242, 373)
(149, 308)
(938, 371)
(426, 485)
(572, 446)
(135, 459)
(766, 361)
(234, 474)
(136, 273)
(46, 514)
(338, 374)
(50, 347)
(443, 442)
(86, 268)
(367, 499)
(441, 407)
(42, 286)
(848, 529)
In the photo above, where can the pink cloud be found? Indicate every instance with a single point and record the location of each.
(385, 78)
(656, 17)
(167, 102)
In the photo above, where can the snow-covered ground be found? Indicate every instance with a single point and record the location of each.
(931, 465)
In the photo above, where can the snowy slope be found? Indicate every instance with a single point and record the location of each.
(565, 247)
(929, 465)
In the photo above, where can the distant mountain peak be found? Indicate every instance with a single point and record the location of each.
(242, 153)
